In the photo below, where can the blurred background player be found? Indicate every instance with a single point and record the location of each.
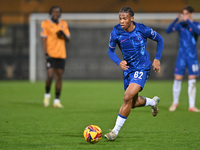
(54, 33)
(131, 38)
(189, 31)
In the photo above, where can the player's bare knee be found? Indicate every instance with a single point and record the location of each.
(127, 98)
(49, 78)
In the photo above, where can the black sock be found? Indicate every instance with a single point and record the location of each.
(47, 88)
(57, 95)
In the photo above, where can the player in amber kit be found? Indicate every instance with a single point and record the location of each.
(54, 33)
(189, 31)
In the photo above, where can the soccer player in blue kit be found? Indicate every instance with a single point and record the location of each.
(189, 31)
(131, 37)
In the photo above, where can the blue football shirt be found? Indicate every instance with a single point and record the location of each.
(134, 46)
(188, 35)
(187, 55)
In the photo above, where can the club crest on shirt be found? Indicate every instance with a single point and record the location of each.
(62, 27)
(139, 38)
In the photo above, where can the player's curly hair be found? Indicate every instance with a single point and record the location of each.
(53, 7)
(127, 10)
(190, 9)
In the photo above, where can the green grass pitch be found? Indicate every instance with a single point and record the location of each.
(25, 124)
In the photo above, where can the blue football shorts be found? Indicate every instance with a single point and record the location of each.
(182, 64)
(138, 77)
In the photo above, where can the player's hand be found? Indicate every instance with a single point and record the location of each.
(179, 16)
(47, 57)
(123, 65)
(156, 65)
(60, 34)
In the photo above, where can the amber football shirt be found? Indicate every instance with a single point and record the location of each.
(55, 46)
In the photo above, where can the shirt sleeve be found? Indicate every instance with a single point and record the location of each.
(43, 30)
(112, 47)
(160, 45)
(195, 29)
(172, 27)
(66, 30)
(158, 38)
(113, 39)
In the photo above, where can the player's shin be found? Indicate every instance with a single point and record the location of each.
(119, 123)
(192, 92)
(122, 116)
(176, 91)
